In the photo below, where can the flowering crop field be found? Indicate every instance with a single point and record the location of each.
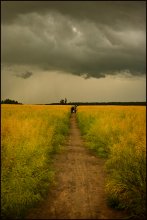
(30, 134)
(118, 134)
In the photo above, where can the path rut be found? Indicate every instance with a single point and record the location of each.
(79, 189)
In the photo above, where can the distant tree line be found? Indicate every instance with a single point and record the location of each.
(62, 102)
(107, 103)
(9, 101)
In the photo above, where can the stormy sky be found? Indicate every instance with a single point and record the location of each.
(81, 50)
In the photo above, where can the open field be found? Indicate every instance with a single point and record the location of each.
(30, 135)
(118, 133)
(78, 191)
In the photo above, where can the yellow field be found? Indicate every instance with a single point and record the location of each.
(30, 134)
(118, 133)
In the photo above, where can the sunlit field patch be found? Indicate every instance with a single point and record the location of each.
(30, 134)
(118, 133)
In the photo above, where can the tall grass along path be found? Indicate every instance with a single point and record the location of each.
(78, 191)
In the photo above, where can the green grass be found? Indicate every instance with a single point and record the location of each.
(31, 135)
(118, 134)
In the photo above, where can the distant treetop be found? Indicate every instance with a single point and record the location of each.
(63, 101)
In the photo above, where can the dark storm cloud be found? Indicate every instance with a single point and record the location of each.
(91, 39)
(25, 75)
(102, 11)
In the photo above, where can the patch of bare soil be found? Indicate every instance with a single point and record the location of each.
(79, 190)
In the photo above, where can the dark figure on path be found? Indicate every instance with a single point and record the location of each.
(73, 109)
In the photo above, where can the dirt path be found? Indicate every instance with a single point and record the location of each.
(79, 189)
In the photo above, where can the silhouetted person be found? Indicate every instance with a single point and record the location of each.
(72, 109)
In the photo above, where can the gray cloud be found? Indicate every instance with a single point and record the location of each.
(89, 39)
(25, 75)
(110, 12)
